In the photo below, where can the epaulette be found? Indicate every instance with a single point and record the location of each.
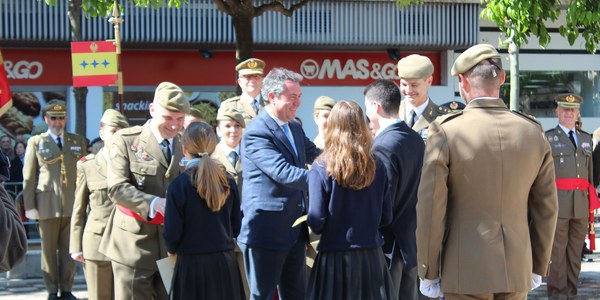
(449, 116)
(583, 131)
(443, 110)
(130, 130)
(87, 157)
(232, 99)
(527, 117)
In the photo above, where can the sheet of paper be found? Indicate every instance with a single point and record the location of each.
(166, 266)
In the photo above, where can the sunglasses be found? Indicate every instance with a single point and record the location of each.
(57, 118)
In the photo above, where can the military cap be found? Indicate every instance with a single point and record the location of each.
(230, 114)
(171, 97)
(415, 66)
(55, 108)
(473, 56)
(114, 118)
(568, 100)
(324, 103)
(251, 66)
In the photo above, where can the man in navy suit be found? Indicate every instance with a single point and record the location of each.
(274, 152)
(401, 150)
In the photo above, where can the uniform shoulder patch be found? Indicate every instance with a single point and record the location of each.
(527, 117)
(442, 110)
(449, 116)
(584, 132)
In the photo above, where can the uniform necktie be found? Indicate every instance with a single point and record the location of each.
(288, 134)
(413, 118)
(255, 105)
(233, 157)
(59, 143)
(164, 145)
(572, 138)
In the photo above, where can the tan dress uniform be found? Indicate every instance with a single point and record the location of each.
(242, 103)
(138, 172)
(91, 211)
(49, 186)
(479, 187)
(431, 112)
(221, 154)
(571, 228)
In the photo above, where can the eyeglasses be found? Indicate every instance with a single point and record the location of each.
(57, 118)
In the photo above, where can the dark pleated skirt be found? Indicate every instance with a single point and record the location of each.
(352, 274)
(214, 276)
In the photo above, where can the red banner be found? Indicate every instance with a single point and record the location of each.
(5, 96)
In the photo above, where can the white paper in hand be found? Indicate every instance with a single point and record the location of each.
(166, 266)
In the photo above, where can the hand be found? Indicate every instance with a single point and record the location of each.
(536, 281)
(159, 205)
(431, 288)
(78, 256)
(32, 214)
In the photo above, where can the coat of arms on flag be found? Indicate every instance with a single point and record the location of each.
(94, 63)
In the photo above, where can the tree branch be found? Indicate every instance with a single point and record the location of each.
(279, 7)
(223, 6)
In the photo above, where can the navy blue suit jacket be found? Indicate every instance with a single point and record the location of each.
(275, 183)
(401, 150)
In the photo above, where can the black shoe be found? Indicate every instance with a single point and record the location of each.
(53, 296)
(67, 296)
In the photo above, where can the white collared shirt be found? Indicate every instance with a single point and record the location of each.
(566, 130)
(418, 110)
(159, 138)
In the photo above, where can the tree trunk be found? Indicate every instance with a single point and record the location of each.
(244, 41)
(80, 92)
(513, 51)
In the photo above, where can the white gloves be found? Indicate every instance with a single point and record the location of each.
(431, 288)
(32, 214)
(536, 281)
(78, 256)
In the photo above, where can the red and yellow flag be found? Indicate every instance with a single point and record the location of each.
(94, 63)
(5, 95)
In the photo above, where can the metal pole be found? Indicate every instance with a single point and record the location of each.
(116, 20)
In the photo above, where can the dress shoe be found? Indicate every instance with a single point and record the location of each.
(53, 296)
(67, 296)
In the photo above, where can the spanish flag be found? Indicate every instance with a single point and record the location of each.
(94, 63)
(5, 96)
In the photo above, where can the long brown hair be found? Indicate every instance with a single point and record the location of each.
(348, 155)
(209, 178)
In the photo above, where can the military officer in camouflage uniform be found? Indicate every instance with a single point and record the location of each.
(143, 162)
(572, 152)
(49, 174)
(250, 78)
(91, 211)
(417, 109)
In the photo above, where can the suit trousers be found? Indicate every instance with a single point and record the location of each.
(566, 258)
(132, 283)
(58, 269)
(404, 278)
(99, 279)
(269, 269)
(495, 296)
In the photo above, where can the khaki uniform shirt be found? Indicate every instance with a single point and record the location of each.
(138, 173)
(572, 163)
(49, 174)
(431, 112)
(242, 104)
(221, 154)
(92, 207)
(487, 205)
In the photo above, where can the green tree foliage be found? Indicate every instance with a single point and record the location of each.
(103, 8)
(519, 19)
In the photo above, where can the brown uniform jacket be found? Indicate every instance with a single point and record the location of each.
(243, 106)
(572, 163)
(221, 155)
(92, 207)
(137, 173)
(44, 186)
(431, 112)
(13, 240)
(487, 206)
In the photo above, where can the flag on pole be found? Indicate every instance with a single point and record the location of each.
(94, 63)
(5, 95)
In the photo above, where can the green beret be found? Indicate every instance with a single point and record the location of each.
(324, 103)
(251, 66)
(114, 118)
(472, 56)
(415, 66)
(171, 97)
(230, 114)
(55, 108)
(568, 100)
